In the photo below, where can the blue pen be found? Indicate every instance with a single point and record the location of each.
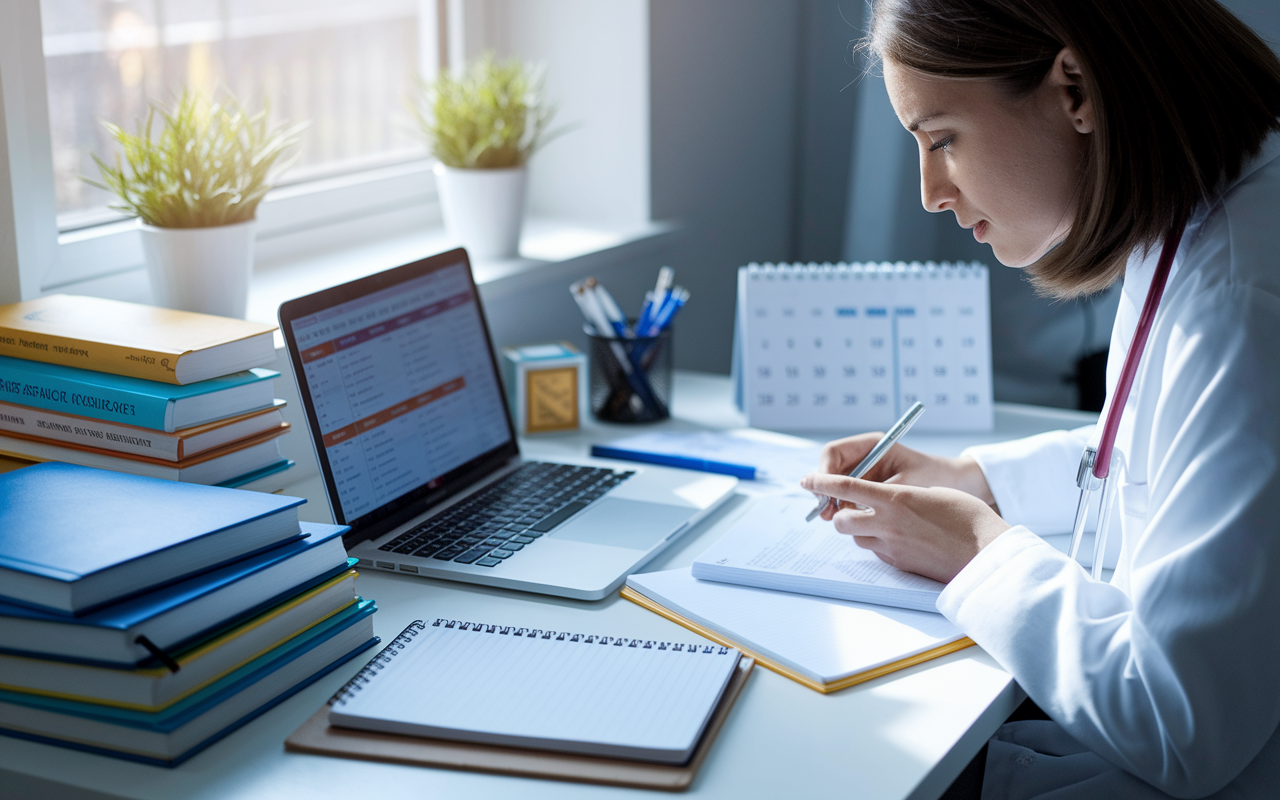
(645, 311)
(742, 471)
(660, 291)
(662, 319)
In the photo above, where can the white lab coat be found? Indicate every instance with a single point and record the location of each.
(1167, 680)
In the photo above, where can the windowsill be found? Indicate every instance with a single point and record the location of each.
(550, 250)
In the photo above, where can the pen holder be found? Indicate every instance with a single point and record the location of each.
(630, 378)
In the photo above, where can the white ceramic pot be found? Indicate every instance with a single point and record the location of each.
(483, 208)
(200, 269)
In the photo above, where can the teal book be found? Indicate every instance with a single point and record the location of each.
(134, 401)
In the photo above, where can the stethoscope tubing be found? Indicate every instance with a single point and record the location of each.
(1095, 463)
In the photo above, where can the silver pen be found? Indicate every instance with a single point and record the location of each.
(888, 440)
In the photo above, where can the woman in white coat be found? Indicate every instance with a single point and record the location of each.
(1077, 137)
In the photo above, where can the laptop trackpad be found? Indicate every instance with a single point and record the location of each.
(623, 523)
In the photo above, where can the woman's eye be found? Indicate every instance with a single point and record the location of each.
(941, 144)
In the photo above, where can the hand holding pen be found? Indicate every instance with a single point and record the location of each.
(877, 452)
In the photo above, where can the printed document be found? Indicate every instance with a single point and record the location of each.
(772, 547)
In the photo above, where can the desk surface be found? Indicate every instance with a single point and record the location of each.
(903, 736)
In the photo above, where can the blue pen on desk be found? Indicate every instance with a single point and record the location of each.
(742, 471)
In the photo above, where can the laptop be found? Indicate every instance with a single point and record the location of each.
(401, 390)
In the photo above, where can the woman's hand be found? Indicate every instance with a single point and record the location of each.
(931, 532)
(902, 465)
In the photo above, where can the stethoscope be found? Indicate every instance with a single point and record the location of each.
(1096, 462)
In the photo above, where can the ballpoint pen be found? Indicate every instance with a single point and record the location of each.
(662, 317)
(660, 291)
(609, 306)
(887, 441)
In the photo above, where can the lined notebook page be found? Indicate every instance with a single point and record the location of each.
(773, 547)
(545, 689)
(823, 639)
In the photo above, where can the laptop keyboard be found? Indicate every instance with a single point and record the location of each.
(495, 524)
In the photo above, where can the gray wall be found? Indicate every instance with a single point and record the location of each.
(723, 93)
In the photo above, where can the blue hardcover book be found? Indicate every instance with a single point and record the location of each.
(133, 401)
(169, 737)
(73, 538)
(172, 617)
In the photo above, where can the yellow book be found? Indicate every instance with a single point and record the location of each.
(155, 344)
(10, 463)
(824, 644)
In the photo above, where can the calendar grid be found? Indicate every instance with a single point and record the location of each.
(832, 347)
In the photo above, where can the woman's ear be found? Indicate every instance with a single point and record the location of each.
(1066, 80)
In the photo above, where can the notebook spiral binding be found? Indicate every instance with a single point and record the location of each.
(565, 636)
(398, 644)
(377, 663)
(387, 654)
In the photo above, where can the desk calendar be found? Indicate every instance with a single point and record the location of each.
(849, 347)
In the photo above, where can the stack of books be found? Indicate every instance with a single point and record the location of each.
(133, 388)
(146, 619)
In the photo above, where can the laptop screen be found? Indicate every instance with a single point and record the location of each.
(403, 390)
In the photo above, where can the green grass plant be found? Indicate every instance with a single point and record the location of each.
(493, 116)
(208, 164)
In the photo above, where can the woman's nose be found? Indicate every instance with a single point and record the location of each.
(937, 192)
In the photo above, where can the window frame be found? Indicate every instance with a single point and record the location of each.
(48, 260)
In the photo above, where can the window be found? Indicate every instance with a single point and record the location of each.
(344, 66)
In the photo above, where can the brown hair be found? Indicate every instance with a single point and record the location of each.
(1183, 93)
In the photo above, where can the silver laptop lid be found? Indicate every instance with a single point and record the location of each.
(400, 386)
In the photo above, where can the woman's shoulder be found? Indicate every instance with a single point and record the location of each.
(1235, 241)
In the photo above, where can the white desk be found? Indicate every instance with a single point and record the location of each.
(903, 736)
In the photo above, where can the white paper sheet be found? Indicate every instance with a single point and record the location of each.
(771, 546)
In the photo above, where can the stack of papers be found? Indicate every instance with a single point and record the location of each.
(823, 644)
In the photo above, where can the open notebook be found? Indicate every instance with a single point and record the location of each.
(772, 547)
(501, 685)
(823, 644)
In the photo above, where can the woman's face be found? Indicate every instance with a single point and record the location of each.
(1007, 168)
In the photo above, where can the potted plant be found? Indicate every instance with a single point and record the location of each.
(194, 186)
(482, 127)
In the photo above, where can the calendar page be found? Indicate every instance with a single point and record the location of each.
(849, 347)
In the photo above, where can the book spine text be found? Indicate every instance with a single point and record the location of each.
(29, 388)
(65, 428)
(133, 362)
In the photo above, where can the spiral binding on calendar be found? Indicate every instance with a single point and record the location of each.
(397, 645)
(885, 268)
(378, 663)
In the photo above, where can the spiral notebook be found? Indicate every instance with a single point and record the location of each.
(838, 347)
(608, 696)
